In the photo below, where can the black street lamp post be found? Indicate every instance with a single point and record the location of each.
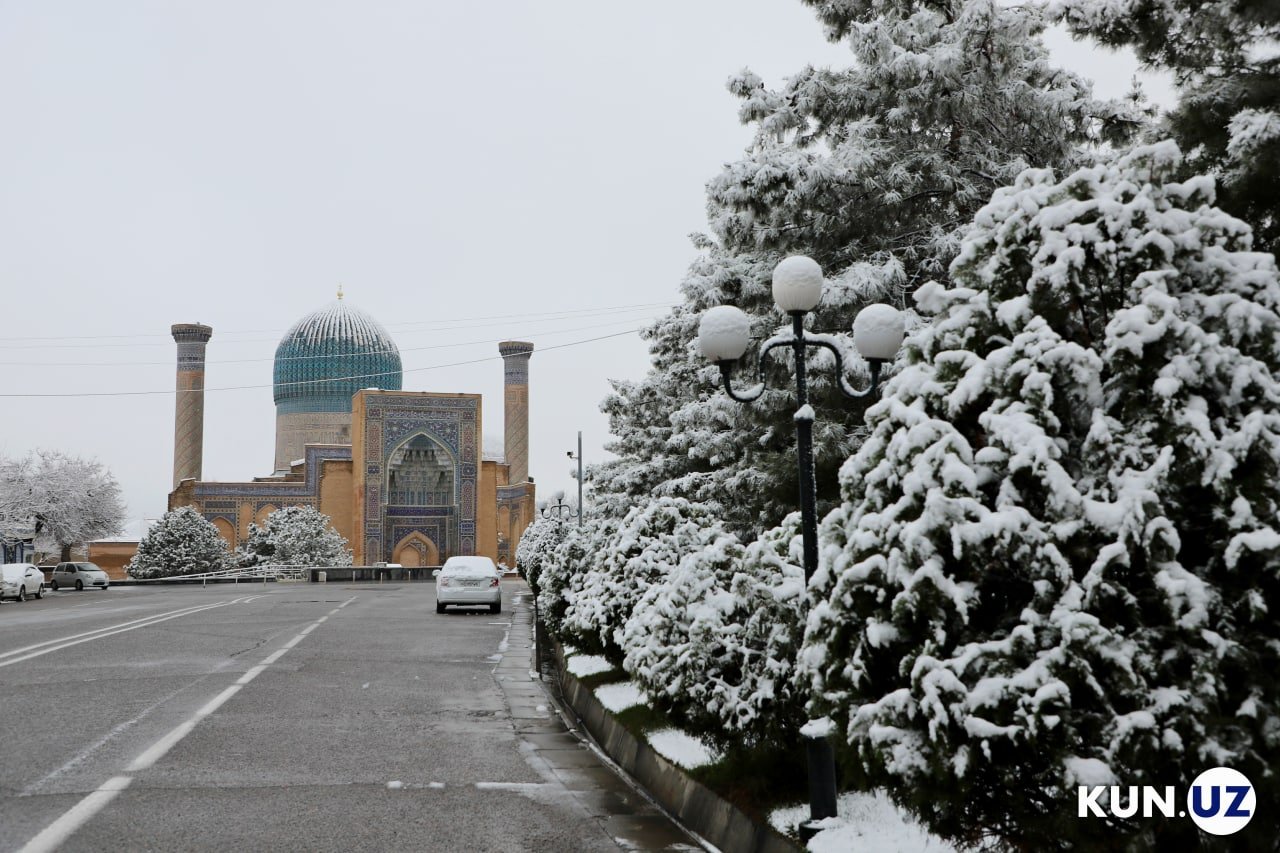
(560, 509)
(724, 335)
(579, 460)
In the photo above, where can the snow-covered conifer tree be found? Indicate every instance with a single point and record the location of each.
(871, 170)
(294, 536)
(1056, 560)
(714, 642)
(1224, 58)
(182, 542)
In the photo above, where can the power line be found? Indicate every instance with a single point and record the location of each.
(427, 326)
(311, 382)
(442, 328)
(292, 358)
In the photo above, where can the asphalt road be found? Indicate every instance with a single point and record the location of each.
(292, 717)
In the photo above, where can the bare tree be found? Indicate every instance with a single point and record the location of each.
(64, 500)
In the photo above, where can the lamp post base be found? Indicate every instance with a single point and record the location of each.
(822, 785)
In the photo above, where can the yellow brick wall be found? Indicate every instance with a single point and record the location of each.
(335, 497)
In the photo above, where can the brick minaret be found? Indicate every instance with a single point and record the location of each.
(188, 426)
(515, 420)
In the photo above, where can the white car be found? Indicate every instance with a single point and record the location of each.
(469, 580)
(21, 581)
(79, 575)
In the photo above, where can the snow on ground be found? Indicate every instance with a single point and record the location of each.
(683, 749)
(584, 665)
(866, 822)
(619, 697)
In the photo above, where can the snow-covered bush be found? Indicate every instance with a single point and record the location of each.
(565, 564)
(182, 542)
(539, 539)
(650, 541)
(1057, 558)
(294, 536)
(715, 642)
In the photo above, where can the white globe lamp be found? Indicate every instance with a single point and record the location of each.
(878, 331)
(797, 284)
(724, 333)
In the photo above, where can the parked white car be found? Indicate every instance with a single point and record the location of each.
(469, 580)
(21, 581)
(79, 575)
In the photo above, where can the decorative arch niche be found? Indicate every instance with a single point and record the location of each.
(226, 530)
(421, 472)
(416, 550)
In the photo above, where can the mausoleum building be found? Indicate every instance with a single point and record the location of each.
(401, 474)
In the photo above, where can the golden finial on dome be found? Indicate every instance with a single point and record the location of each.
(339, 291)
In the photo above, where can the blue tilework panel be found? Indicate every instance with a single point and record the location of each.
(452, 423)
(271, 492)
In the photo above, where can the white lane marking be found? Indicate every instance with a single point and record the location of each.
(158, 750)
(53, 835)
(101, 742)
(218, 701)
(108, 628)
(251, 674)
(98, 635)
(512, 786)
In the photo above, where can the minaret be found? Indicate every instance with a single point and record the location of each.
(188, 426)
(515, 359)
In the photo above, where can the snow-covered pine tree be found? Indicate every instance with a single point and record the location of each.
(1224, 58)
(871, 170)
(714, 642)
(294, 536)
(181, 542)
(1056, 560)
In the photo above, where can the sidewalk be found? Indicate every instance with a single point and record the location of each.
(561, 753)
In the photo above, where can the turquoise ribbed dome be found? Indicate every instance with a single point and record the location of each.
(331, 354)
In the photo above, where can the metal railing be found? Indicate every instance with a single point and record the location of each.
(248, 574)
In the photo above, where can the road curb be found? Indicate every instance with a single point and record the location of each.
(696, 805)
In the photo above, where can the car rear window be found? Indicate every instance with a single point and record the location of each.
(468, 566)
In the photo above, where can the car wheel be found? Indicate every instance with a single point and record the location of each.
(439, 607)
(22, 593)
(54, 586)
(79, 585)
(40, 591)
(495, 608)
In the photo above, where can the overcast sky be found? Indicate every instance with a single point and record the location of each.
(467, 171)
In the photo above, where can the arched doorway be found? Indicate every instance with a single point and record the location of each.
(415, 550)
